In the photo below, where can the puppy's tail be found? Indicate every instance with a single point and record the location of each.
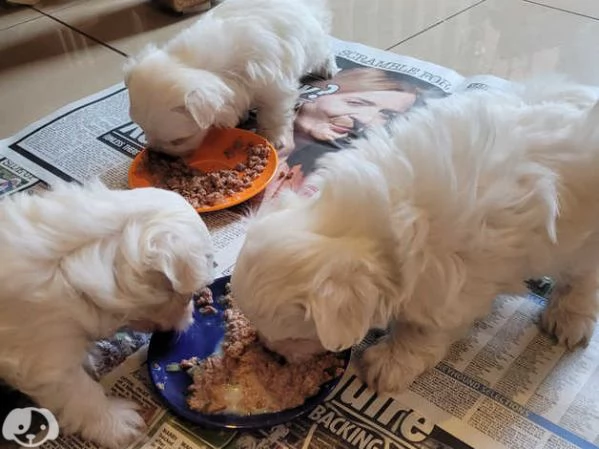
(554, 88)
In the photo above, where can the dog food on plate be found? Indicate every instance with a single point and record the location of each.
(248, 379)
(203, 189)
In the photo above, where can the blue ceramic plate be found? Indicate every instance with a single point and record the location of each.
(202, 340)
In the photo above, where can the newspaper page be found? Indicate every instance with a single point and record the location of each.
(505, 386)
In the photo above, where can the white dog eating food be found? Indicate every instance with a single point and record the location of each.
(419, 227)
(80, 263)
(243, 54)
(246, 379)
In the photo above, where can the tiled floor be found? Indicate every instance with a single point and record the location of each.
(62, 50)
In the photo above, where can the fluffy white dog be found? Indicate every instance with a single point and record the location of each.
(78, 264)
(419, 228)
(243, 54)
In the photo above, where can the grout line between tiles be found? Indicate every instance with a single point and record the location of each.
(90, 37)
(474, 5)
(31, 19)
(561, 9)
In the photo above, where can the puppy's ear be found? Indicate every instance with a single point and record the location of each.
(345, 301)
(200, 109)
(211, 103)
(178, 259)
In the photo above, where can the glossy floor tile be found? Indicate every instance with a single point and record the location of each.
(11, 15)
(62, 50)
(126, 25)
(383, 23)
(52, 6)
(379, 23)
(43, 66)
(586, 7)
(513, 39)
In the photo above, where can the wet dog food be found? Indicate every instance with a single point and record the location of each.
(247, 379)
(203, 189)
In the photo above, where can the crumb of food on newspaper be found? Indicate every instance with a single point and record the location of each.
(283, 175)
(248, 379)
(204, 189)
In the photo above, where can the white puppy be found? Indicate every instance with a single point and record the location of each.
(78, 264)
(420, 228)
(243, 54)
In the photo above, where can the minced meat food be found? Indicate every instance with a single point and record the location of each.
(246, 378)
(203, 189)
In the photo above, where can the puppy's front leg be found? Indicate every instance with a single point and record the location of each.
(573, 310)
(392, 364)
(81, 406)
(275, 115)
(329, 67)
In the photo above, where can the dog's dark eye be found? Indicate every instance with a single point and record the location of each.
(180, 141)
(210, 258)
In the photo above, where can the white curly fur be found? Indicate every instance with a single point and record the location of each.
(243, 54)
(78, 264)
(421, 227)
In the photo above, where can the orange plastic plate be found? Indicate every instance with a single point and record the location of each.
(219, 150)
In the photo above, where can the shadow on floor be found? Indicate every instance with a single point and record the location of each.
(61, 40)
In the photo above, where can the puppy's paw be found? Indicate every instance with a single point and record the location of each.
(570, 328)
(285, 145)
(117, 426)
(384, 371)
(328, 69)
(331, 69)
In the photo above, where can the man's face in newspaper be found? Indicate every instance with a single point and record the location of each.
(338, 115)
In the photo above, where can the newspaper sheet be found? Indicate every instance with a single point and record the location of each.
(505, 386)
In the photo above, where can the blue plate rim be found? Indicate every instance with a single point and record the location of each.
(228, 421)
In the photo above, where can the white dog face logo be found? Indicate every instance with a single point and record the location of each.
(30, 427)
